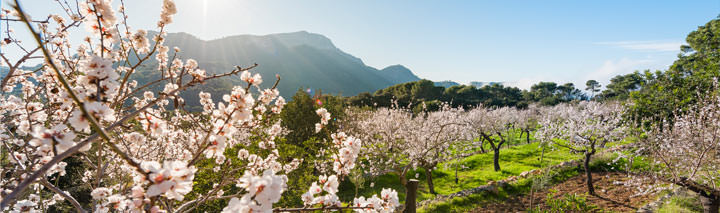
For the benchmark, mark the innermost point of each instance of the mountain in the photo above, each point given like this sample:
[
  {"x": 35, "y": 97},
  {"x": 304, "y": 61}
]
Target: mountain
[
  {"x": 302, "y": 59},
  {"x": 446, "y": 84},
  {"x": 398, "y": 74}
]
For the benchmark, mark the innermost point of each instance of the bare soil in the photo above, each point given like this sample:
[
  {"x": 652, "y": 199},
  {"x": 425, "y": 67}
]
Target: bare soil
[{"x": 609, "y": 197}]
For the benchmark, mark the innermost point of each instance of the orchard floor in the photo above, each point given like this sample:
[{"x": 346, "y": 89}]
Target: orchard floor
[{"x": 610, "y": 197}]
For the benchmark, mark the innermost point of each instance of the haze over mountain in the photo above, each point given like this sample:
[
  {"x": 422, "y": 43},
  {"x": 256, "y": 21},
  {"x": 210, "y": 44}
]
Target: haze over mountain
[
  {"x": 302, "y": 59},
  {"x": 446, "y": 83},
  {"x": 477, "y": 84}
]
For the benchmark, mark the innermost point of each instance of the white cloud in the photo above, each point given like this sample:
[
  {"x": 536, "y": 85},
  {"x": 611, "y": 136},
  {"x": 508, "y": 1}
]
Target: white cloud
[
  {"x": 654, "y": 46},
  {"x": 611, "y": 68},
  {"x": 526, "y": 83},
  {"x": 607, "y": 70},
  {"x": 603, "y": 74}
]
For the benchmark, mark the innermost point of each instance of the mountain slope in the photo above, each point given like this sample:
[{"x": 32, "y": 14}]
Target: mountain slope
[
  {"x": 302, "y": 59},
  {"x": 398, "y": 74}
]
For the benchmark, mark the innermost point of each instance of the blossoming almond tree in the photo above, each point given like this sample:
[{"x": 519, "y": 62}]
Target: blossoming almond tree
[
  {"x": 398, "y": 141},
  {"x": 432, "y": 139},
  {"x": 137, "y": 153},
  {"x": 688, "y": 151},
  {"x": 582, "y": 129},
  {"x": 383, "y": 132},
  {"x": 492, "y": 126},
  {"x": 527, "y": 120}
]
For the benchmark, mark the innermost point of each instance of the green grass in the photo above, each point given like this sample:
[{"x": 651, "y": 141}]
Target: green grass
[
  {"x": 479, "y": 171},
  {"x": 599, "y": 163},
  {"x": 464, "y": 204},
  {"x": 681, "y": 203}
]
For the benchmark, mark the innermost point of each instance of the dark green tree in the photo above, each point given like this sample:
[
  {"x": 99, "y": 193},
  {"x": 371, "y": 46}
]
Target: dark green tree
[
  {"x": 568, "y": 92},
  {"x": 497, "y": 95},
  {"x": 621, "y": 86},
  {"x": 299, "y": 117},
  {"x": 544, "y": 92},
  {"x": 691, "y": 76},
  {"x": 593, "y": 87},
  {"x": 410, "y": 93},
  {"x": 462, "y": 95}
]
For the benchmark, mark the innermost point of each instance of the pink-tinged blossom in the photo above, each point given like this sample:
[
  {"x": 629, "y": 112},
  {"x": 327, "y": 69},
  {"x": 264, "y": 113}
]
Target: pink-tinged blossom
[
  {"x": 265, "y": 189},
  {"x": 243, "y": 205},
  {"x": 387, "y": 202},
  {"x": 100, "y": 193},
  {"x": 59, "y": 137},
  {"x": 255, "y": 80},
  {"x": 324, "y": 118},
  {"x": 173, "y": 179}
]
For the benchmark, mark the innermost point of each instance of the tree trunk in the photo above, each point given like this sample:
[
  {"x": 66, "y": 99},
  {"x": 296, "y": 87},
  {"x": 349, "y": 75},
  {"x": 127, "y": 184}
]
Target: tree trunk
[
  {"x": 710, "y": 203},
  {"x": 411, "y": 196},
  {"x": 591, "y": 189},
  {"x": 527, "y": 136},
  {"x": 457, "y": 164},
  {"x": 496, "y": 159},
  {"x": 403, "y": 179},
  {"x": 431, "y": 186}
]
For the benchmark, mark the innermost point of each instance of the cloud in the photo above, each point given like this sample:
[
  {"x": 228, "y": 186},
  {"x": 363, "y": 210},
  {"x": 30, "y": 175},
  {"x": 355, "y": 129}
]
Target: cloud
[
  {"x": 603, "y": 74},
  {"x": 526, "y": 83},
  {"x": 611, "y": 68},
  {"x": 654, "y": 46},
  {"x": 607, "y": 70}
]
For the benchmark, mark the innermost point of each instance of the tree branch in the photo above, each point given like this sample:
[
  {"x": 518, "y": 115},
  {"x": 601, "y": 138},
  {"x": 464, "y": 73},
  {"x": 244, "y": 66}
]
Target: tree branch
[{"x": 71, "y": 199}]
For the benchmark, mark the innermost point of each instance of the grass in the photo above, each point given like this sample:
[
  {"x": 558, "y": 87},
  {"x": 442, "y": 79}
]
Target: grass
[
  {"x": 478, "y": 172},
  {"x": 463, "y": 204},
  {"x": 681, "y": 203},
  {"x": 523, "y": 186}
]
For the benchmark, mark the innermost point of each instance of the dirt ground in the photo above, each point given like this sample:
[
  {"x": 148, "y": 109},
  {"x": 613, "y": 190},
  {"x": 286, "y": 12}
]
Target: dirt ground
[{"x": 609, "y": 197}]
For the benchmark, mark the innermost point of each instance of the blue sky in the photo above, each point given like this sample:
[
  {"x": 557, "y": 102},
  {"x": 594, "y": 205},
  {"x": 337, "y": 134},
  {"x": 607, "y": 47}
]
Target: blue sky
[{"x": 512, "y": 41}]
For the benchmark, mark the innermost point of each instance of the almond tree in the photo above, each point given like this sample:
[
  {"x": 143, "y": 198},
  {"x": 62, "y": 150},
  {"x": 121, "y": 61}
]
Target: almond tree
[
  {"x": 492, "y": 126},
  {"x": 582, "y": 129},
  {"x": 688, "y": 150},
  {"x": 433, "y": 138},
  {"x": 383, "y": 131},
  {"x": 136, "y": 153},
  {"x": 527, "y": 120},
  {"x": 398, "y": 141}
]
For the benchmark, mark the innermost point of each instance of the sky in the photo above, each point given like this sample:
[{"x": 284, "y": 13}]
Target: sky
[{"x": 521, "y": 42}]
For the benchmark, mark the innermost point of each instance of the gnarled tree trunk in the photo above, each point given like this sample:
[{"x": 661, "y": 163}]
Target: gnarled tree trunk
[
  {"x": 431, "y": 186},
  {"x": 457, "y": 164},
  {"x": 403, "y": 179},
  {"x": 709, "y": 196},
  {"x": 496, "y": 150},
  {"x": 496, "y": 159},
  {"x": 588, "y": 174},
  {"x": 711, "y": 204},
  {"x": 527, "y": 136}
]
